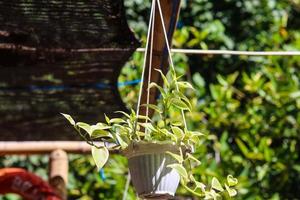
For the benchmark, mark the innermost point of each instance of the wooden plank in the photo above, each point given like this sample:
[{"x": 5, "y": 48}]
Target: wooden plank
[
  {"x": 170, "y": 9},
  {"x": 46, "y": 147},
  {"x": 58, "y": 173}
]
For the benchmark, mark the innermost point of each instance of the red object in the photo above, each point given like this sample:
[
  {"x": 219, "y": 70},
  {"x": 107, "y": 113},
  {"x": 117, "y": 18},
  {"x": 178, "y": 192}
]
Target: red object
[{"x": 26, "y": 184}]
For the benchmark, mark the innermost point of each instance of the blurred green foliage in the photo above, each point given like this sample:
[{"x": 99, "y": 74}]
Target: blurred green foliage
[{"x": 247, "y": 106}]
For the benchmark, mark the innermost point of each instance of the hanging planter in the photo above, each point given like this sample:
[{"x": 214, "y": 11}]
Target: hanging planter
[
  {"x": 158, "y": 147},
  {"x": 149, "y": 172}
]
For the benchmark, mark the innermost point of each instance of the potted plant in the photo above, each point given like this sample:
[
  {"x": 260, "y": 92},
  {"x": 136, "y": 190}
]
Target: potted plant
[{"x": 160, "y": 149}]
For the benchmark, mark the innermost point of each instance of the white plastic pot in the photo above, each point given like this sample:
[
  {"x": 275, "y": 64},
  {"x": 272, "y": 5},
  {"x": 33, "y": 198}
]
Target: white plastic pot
[{"x": 151, "y": 177}]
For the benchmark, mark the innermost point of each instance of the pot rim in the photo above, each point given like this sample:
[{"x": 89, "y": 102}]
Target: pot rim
[{"x": 145, "y": 148}]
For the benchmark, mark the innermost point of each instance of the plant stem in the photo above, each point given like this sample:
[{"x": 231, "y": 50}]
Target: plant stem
[
  {"x": 87, "y": 141},
  {"x": 192, "y": 191}
]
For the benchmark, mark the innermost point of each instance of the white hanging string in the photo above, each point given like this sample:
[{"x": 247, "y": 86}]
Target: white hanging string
[
  {"x": 126, "y": 187},
  {"x": 151, "y": 24},
  {"x": 231, "y": 52},
  {"x": 150, "y": 63},
  {"x": 169, "y": 53},
  {"x": 144, "y": 64}
]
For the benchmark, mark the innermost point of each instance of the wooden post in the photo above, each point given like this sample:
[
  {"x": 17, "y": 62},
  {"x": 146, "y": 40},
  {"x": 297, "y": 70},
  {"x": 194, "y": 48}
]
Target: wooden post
[
  {"x": 170, "y": 9},
  {"x": 58, "y": 176},
  {"x": 46, "y": 147}
]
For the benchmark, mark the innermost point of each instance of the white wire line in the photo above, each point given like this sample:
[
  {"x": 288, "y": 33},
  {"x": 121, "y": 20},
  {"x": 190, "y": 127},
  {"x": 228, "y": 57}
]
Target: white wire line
[
  {"x": 144, "y": 64},
  {"x": 231, "y": 52},
  {"x": 169, "y": 53},
  {"x": 126, "y": 186},
  {"x": 150, "y": 64}
]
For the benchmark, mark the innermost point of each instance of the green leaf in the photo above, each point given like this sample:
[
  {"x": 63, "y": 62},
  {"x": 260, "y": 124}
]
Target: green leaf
[
  {"x": 196, "y": 133},
  {"x": 178, "y": 132},
  {"x": 166, "y": 82},
  {"x": 198, "y": 80},
  {"x": 122, "y": 142},
  {"x": 177, "y": 157},
  {"x": 148, "y": 126},
  {"x": 212, "y": 195},
  {"x": 154, "y": 107},
  {"x": 123, "y": 113},
  {"x": 200, "y": 186},
  {"x": 176, "y": 123},
  {"x": 242, "y": 146},
  {"x": 169, "y": 134},
  {"x": 100, "y": 133},
  {"x": 295, "y": 95},
  {"x": 180, "y": 169},
  {"x": 101, "y": 126},
  {"x": 297, "y": 168},
  {"x": 144, "y": 117},
  {"x": 179, "y": 104},
  {"x": 194, "y": 139},
  {"x": 69, "y": 118},
  {"x": 185, "y": 85},
  {"x": 85, "y": 127},
  {"x": 106, "y": 119},
  {"x": 100, "y": 156},
  {"x": 184, "y": 99},
  {"x": 117, "y": 120},
  {"x": 232, "y": 77},
  {"x": 231, "y": 192},
  {"x": 231, "y": 181},
  {"x": 163, "y": 93},
  {"x": 215, "y": 184},
  {"x": 221, "y": 80},
  {"x": 191, "y": 157}
]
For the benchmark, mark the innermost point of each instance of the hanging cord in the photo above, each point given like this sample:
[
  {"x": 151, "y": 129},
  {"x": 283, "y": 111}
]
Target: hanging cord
[
  {"x": 150, "y": 64},
  {"x": 230, "y": 52},
  {"x": 126, "y": 186},
  {"x": 144, "y": 65},
  {"x": 169, "y": 53}
]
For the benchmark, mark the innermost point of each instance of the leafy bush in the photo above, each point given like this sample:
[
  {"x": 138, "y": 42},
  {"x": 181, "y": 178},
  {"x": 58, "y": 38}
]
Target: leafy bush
[{"x": 248, "y": 106}]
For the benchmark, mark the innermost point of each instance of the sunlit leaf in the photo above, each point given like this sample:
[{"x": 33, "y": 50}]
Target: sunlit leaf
[
  {"x": 215, "y": 184},
  {"x": 106, "y": 119},
  {"x": 124, "y": 113},
  {"x": 179, "y": 104},
  {"x": 100, "y": 156},
  {"x": 154, "y": 107},
  {"x": 69, "y": 118},
  {"x": 166, "y": 82},
  {"x": 191, "y": 157},
  {"x": 231, "y": 192},
  {"x": 178, "y": 132},
  {"x": 231, "y": 181},
  {"x": 185, "y": 85},
  {"x": 117, "y": 120},
  {"x": 122, "y": 142},
  {"x": 180, "y": 169},
  {"x": 85, "y": 127},
  {"x": 100, "y": 133},
  {"x": 178, "y": 157},
  {"x": 184, "y": 99},
  {"x": 163, "y": 93}
]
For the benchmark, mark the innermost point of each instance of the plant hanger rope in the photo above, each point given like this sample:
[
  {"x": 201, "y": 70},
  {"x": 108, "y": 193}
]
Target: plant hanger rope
[
  {"x": 151, "y": 32},
  {"x": 169, "y": 53},
  {"x": 145, "y": 60},
  {"x": 150, "y": 62},
  {"x": 231, "y": 52}
]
